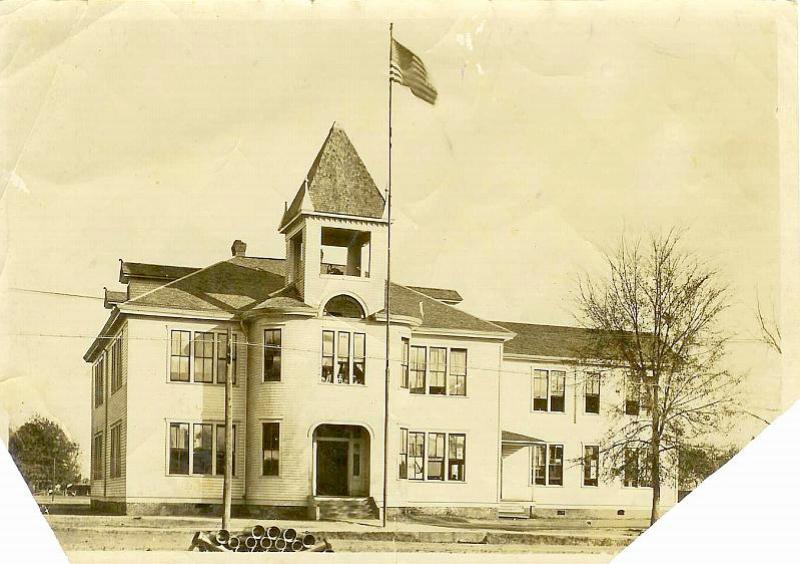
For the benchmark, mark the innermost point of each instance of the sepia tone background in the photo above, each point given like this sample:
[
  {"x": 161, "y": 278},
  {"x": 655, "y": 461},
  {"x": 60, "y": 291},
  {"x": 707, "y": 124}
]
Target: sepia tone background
[{"x": 160, "y": 132}]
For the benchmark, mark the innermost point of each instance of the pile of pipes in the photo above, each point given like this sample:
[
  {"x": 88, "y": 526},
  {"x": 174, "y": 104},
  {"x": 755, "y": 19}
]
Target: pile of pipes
[{"x": 258, "y": 539}]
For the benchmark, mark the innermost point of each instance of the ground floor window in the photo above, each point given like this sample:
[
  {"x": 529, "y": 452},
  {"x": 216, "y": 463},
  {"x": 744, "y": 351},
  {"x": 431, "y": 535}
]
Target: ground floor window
[
  {"x": 97, "y": 456},
  {"x": 270, "y": 448},
  {"x": 591, "y": 465},
  {"x": 634, "y": 472},
  {"x": 116, "y": 451},
  {"x": 547, "y": 465},
  {"x": 206, "y": 456},
  {"x": 432, "y": 456}
]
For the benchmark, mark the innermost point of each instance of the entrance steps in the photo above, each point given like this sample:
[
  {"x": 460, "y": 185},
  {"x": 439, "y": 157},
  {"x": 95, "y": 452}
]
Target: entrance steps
[
  {"x": 344, "y": 508},
  {"x": 514, "y": 511}
]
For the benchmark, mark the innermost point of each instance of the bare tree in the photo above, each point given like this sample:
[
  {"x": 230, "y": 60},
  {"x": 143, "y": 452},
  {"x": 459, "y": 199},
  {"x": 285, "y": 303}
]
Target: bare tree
[
  {"x": 655, "y": 320},
  {"x": 769, "y": 330}
]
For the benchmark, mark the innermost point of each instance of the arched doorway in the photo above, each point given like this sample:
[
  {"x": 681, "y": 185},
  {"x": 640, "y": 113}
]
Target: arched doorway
[{"x": 341, "y": 461}]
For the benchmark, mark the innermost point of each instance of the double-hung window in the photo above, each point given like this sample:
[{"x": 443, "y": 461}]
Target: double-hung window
[
  {"x": 403, "y": 455},
  {"x": 343, "y": 358},
  {"x": 116, "y": 451},
  {"x": 549, "y": 390},
  {"x": 98, "y": 456},
  {"x": 591, "y": 465},
  {"x": 437, "y": 371},
  {"x": 222, "y": 358},
  {"x": 416, "y": 456},
  {"x": 436, "y": 456},
  {"x": 220, "y": 451},
  {"x": 327, "y": 355},
  {"x": 272, "y": 355},
  {"x": 547, "y": 465},
  {"x": 204, "y": 357},
  {"x": 456, "y": 456},
  {"x": 116, "y": 364},
  {"x": 457, "y": 385},
  {"x": 635, "y": 467},
  {"x": 179, "y": 355},
  {"x": 203, "y": 434},
  {"x": 592, "y": 393},
  {"x": 99, "y": 377},
  {"x": 178, "y": 448},
  {"x": 405, "y": 343},
  {"x": 359, "y": 358},
  {"x": 634, "y": 392},
  {"x": 270, "y": 448},
  {"x": 417, "y": 370}
]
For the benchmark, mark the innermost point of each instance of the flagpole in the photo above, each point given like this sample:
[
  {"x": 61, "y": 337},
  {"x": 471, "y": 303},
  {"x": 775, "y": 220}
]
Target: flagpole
[{"x": 386, "y": 295}]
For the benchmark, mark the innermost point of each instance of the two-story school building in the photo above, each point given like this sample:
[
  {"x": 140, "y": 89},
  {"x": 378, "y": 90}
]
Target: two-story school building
[{"x": 484, "y": 416}]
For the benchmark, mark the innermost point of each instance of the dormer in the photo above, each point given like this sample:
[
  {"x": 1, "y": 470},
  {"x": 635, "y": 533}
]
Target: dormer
[{"x": 335, "y": 228}]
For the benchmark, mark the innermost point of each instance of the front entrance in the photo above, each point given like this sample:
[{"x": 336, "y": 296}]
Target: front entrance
[
  {"x": 341, "y": 461},
  {"x": 332, "y": 468}
]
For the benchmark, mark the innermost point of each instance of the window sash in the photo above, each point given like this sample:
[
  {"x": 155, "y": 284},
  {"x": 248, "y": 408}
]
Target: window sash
[
  {"x": 591, "y": 465},
  {"x": 272, "y": 355},
  {"x": 555, "y": 465},
  {"x": 179, "y": 448},
  {"x": 403, "y": 457},
  {"x": 456, "y": 457},
  {"x": 592, "y": 393},
  {"x": 359, "y": 358},
  {"x": 99, "y": 457},
  {"x": 222, "y": 357},
  {"x": 457, "y": 385},
  {"x": 115, "y": 470},
  {"x": 539, "y": 463},
  {"x": 540, "y": 386},
  {"x": 203, "y": 357},
  {"x": 343, "y": 358},
  {"x": 270, "y": 448},
  {"x": 416, "y": 455},
  {"x": 557, "y": 390},
  {"x": 179, "y": 355},
  {"x": 328, "y": 338},
  {"x": 202, "y": 434},
  {"x": 435, "y": 462},
  {"x": 220, "y": 451},
  {"x": 404, "y": 366},
  {"x": 417, "y": 369},
  {"x": 437, "y": 371}
]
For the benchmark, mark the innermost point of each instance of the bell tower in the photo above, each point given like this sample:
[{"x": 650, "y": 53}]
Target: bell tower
[{"x": 335, "y": 228}]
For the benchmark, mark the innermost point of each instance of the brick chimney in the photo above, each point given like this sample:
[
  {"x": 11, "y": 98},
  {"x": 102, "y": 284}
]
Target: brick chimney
[{"x": 238, "y": 248}]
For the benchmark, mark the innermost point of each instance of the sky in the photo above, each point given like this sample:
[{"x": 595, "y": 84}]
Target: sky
[{"x": 160, "y": 132}]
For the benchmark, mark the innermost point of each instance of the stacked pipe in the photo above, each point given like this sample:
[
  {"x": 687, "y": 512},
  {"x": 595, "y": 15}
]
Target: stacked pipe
[{"x": 259, "y": 539}]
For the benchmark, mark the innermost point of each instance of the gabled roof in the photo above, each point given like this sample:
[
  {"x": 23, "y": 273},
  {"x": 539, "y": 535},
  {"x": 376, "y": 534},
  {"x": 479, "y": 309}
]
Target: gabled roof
[
  {"x": 549, "y": 340},
  {"x": 338, "y": 182},
  {"x": 128, "y": 270},
  {"x": 433, "y": 313},
  {"x": 234, "y": 285},
  {"x": 442, "y": 294}
]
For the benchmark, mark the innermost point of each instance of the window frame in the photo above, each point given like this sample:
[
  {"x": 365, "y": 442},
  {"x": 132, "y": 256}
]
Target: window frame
[
  {"x": 407, "y": 458},
  {"x": 273, "y": 351},
  {"x": 99, "y": 381},
  {"x": 402, "y": 462},
  {"x": 179, "y": 425},
  {"x": 211, "y": 359},
  {"x": 216, "y": 463},
  {"x": 98, "y": 460},
  {"x": 432, "y": 455},
  {"x": 173, "y": 355},
  {"x": 589, "y": 377},
  {"x": 642, "y": 391},
  {"x": 451, "y": 375},
  {"x": 405, "y": 359},
  {"x": 596, "y": 461},
  {"x": 277, "y": 459},
  {"x": 335, "y": 359},
  {"x": 642, "y": 469},
  {"x": 115, "y": 450},
  {"x": 548, "y": 375},
  {"x": 215, "y": 425},
  {"x": 547, "y": 465},
  {"x": 116, "y": 363},
  {"x": 442, "y": 367}
]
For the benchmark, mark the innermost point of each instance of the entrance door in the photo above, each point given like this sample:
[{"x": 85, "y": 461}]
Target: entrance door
[{"x": 332, "y": 475}]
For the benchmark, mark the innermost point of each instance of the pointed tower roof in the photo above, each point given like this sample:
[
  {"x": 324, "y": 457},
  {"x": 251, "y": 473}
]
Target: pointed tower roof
[{"x": 337, "y": 183}]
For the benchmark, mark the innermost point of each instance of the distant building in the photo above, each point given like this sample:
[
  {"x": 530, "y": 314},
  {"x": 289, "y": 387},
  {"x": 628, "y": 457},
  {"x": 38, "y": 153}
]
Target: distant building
[{"x": 485, "y": 416}]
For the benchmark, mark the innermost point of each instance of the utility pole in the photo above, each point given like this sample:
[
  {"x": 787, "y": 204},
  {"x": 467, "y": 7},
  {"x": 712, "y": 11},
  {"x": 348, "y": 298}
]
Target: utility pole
[{"x": 228, "y": 476}]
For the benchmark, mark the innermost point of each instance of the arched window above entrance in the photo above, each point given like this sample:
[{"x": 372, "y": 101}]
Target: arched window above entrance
[{"x": 344, "y": 306}]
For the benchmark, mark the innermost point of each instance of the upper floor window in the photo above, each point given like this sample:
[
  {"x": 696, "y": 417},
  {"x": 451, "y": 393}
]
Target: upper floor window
[
  {"x": 272, "y": 355},
  {"x": 99, "y": 374},
  {"x": 344, "y": 357},
  {"x": 634, "y": 394},
  {"x": 405, "y": 343},
  {"x": 344, "y": 306},
  {"x": 592, "y": 393},
  {"x": 425, "y": 370},
  {"x": 116, "y": 364},
  {"x": 548, "y": 390},
  {"x": 205, "y": 355},
  {"x": 345, "y": 252}
]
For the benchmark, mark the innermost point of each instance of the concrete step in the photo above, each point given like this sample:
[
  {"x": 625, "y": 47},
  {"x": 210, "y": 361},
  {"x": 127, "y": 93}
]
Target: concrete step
[{"x": 344, "y": 508}]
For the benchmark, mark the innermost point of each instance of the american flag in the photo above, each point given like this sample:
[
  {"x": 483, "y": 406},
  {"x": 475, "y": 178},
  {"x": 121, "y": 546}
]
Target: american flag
[{"x": 409, "y": 70}]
